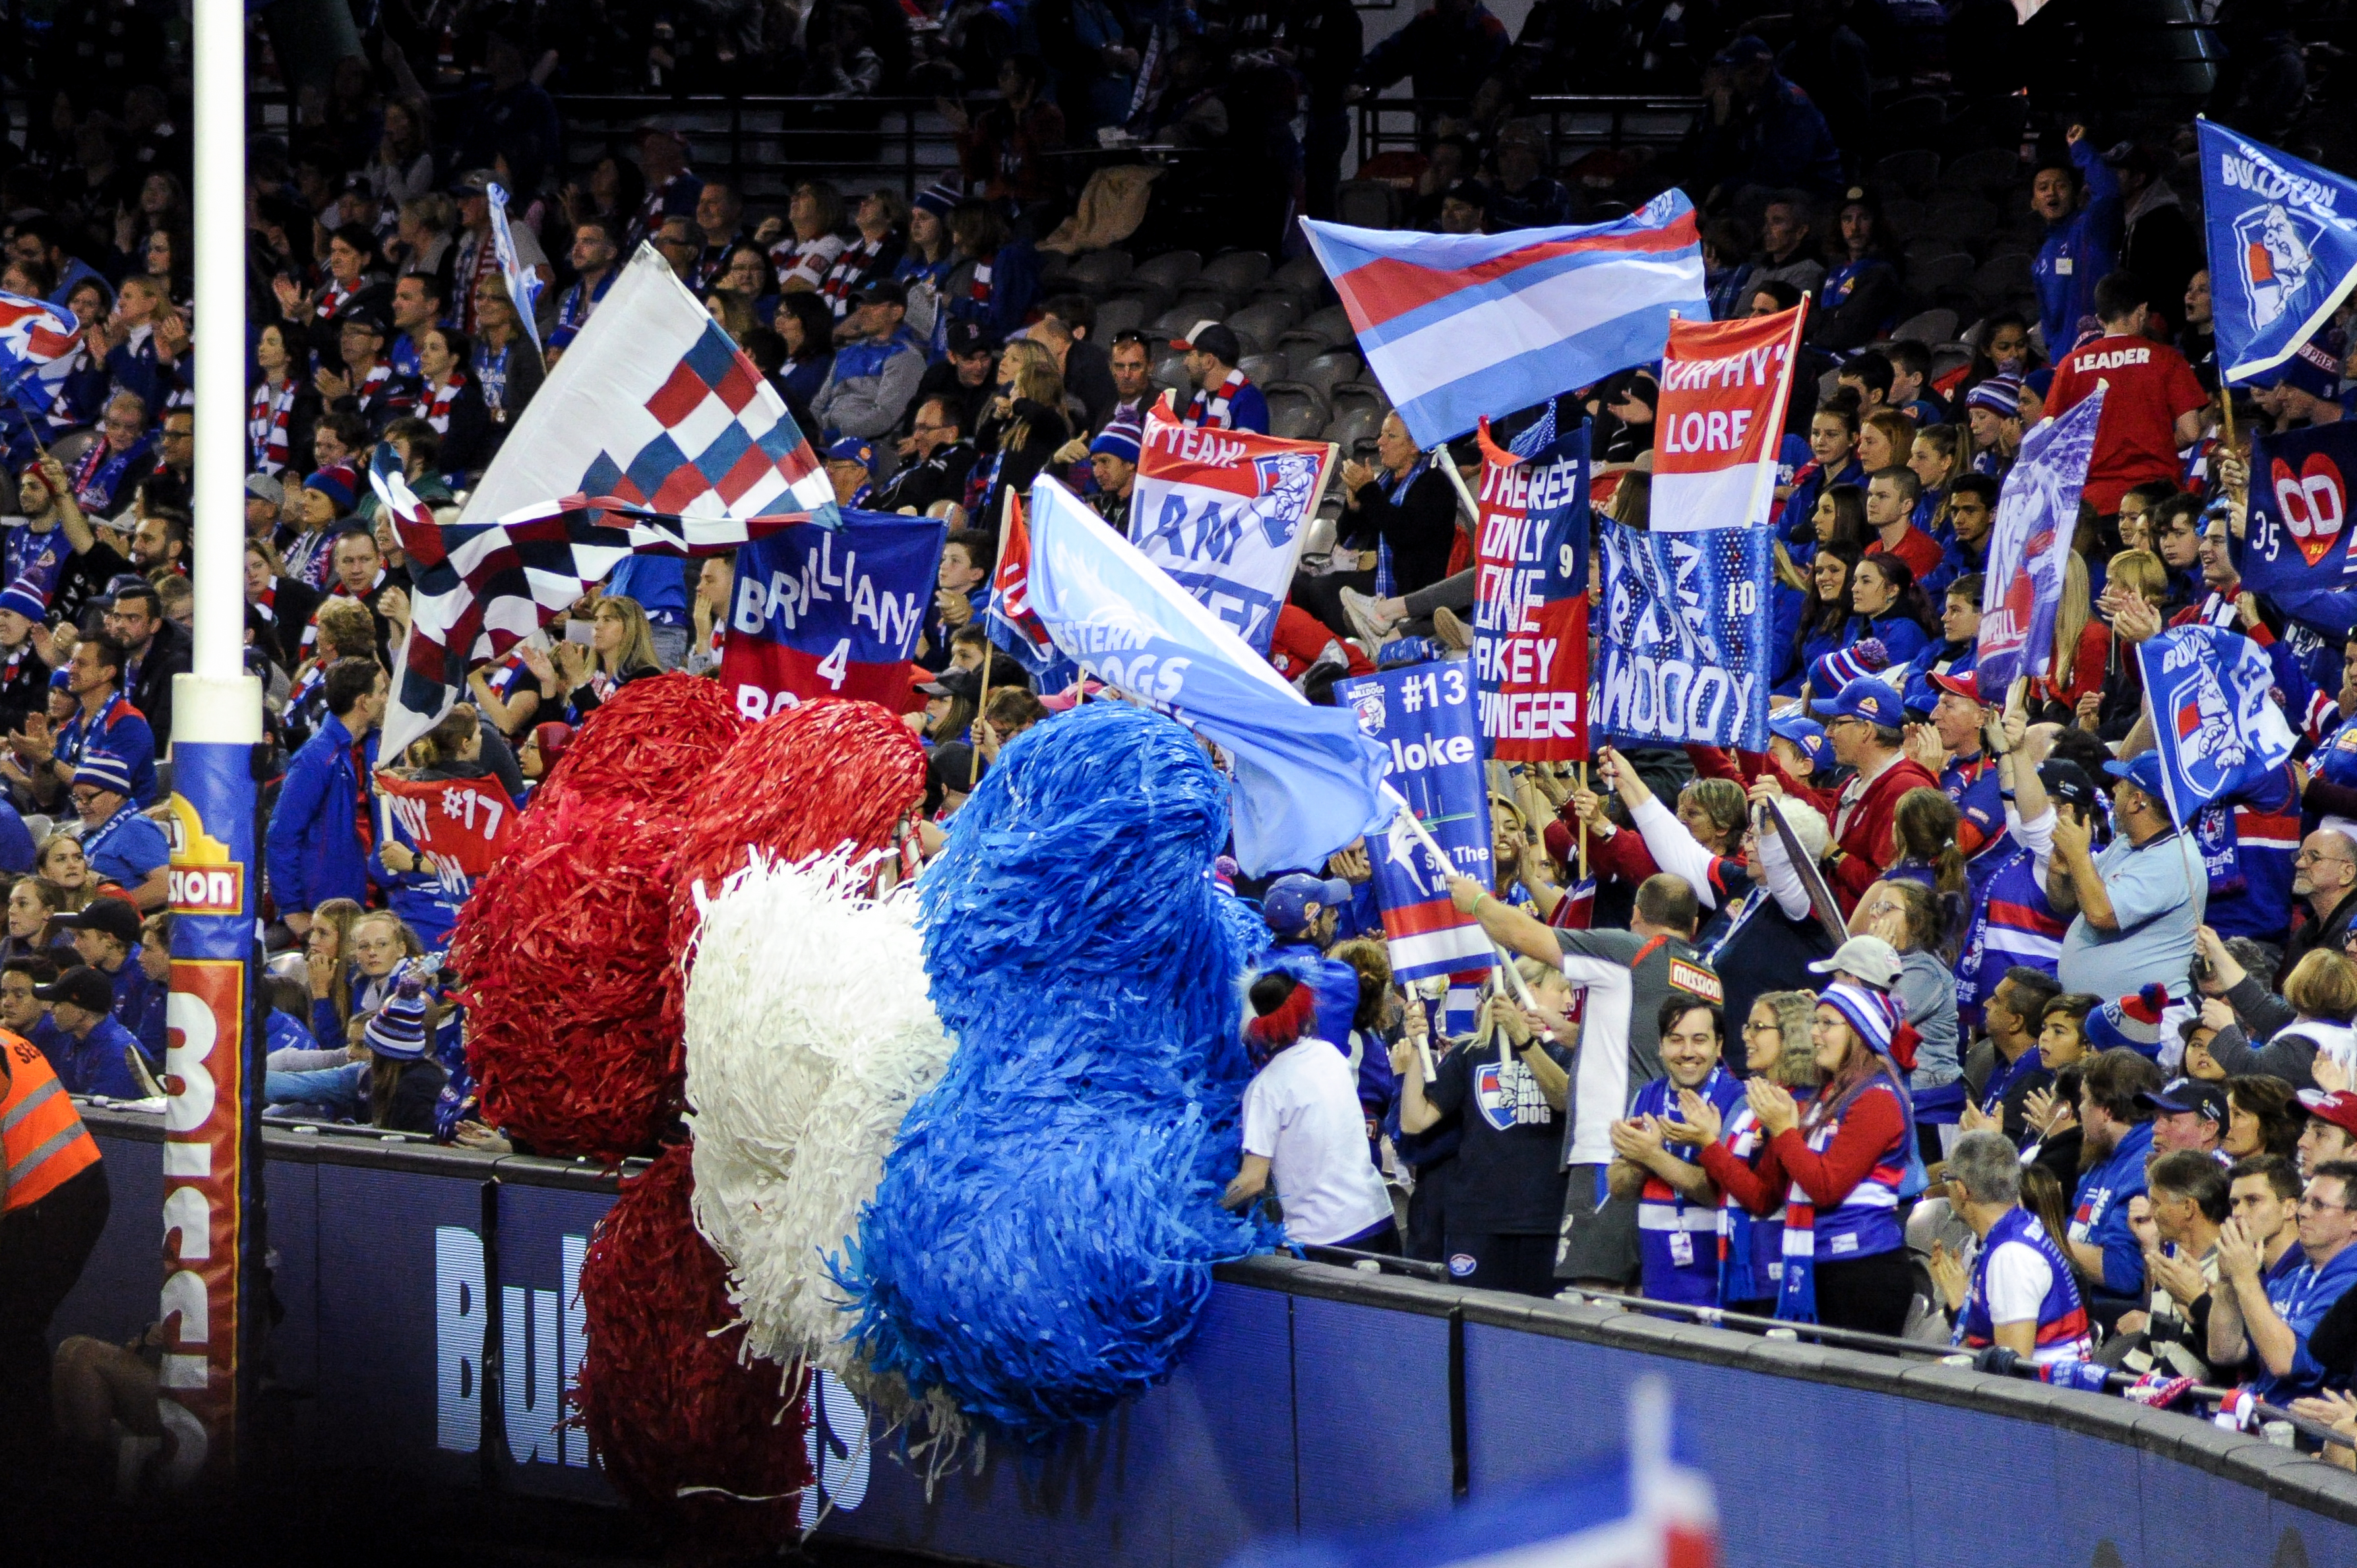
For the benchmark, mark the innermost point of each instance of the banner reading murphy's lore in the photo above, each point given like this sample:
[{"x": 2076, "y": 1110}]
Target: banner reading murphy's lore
[{"x": 1530, "y": 601}]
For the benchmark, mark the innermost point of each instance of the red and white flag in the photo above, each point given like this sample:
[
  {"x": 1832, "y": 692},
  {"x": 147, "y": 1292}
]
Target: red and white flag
[{"x": 1725, "y": 385}]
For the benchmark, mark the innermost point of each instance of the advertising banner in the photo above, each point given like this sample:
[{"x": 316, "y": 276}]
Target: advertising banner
[
  {"x": 212, "y": 1118},
  {"x": 822, "y": 612}
]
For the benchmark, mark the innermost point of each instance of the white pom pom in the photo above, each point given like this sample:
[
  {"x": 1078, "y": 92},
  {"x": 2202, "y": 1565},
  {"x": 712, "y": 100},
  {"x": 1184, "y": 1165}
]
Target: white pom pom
[{"x": 810, "y": 1032}]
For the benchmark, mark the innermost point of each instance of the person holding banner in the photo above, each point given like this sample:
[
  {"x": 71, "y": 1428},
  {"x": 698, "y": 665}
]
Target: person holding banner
[
  {"x": 2131, "y": 909},
  {"x": 1864, "y": 724}
]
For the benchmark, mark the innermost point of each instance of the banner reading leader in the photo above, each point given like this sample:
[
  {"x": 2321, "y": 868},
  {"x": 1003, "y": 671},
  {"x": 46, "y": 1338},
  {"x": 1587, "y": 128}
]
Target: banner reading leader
[
  {"x": 821, "y": 612},
  {"x": 1530, "y": 601}
]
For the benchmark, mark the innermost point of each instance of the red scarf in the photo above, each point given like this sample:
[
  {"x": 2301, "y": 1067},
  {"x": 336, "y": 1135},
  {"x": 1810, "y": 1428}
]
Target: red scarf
[
  {"x": 847, "y": 270},
  {"x": 265, "y": 426},
  {"x": 333, "y": 298},
  {"x": 978, "y": 290},
  {"x": 1210, "y": 406},
  {"x": 437, "y": 410}
]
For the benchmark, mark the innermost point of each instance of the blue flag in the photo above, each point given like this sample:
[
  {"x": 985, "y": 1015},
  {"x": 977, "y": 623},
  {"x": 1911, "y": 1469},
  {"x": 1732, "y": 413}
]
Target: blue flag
[
  {"x": 1307, "y": 780},
  {"x": 2030, "y": 544},
  {"x": 523, "y": 283},
  {"x": 2214, "y": 719},
  {"x": 2283, "y": 249},
  {"x": 2299, "y": 540},
  {"x": 1684, "y": 652},
  {"x": 1423, "y": 717}
]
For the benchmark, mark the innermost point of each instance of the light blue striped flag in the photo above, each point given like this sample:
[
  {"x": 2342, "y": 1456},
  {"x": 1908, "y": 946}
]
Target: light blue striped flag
[{"x": 1458, "y": 325}]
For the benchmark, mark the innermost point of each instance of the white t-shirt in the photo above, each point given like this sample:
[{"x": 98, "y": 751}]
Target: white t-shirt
[
  {"x": 2017, "y": 1279},
  {"x": 1301, "y": 1113}
]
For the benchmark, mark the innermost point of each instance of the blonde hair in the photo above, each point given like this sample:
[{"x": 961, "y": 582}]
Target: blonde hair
[
  {"x": 2069, "y": 620},
  {"x": 1037, "y": 379},
  {"x": 339, "y": 915},
  {"x": 2323, "y": 985},
  {"x": 442, "y": 743},
  {"x": 638, "y": 650},
  {"x": 2142, "y": 571}
]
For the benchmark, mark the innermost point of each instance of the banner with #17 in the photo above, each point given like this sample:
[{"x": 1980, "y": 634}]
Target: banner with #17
[{"x": 1530, "y": 601}]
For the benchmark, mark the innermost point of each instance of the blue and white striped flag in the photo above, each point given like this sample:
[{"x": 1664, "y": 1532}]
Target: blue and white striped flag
[
  {"x": 523, "y": 283},
  {"x": 1458, "y": 325}
]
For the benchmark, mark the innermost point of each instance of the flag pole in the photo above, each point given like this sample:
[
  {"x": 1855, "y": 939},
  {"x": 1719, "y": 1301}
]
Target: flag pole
[{"x": 973, "y": 747}]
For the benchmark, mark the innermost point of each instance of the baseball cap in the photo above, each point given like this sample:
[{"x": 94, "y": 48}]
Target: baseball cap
[
  {"x": 1801, "y": 731},
  {"x": 851, "y": 449},
  {"x": 952, "y": 764},
  {"x": 1471, "y": 192},
  {"x": 474, "y": 182},
  {"x": 952, "y": 683},
  {"x": 880, "y": 291},
  {"x": 366, "y": 316},
  {"x": 1285, "y": 904},
  {"x": 2067, "y": 783},
  {"x": 2338, "y": 1107},
  {"x": 1213, "y": 339},
  {"x": 1871, "y": 959},
  {"x": 1745, "y": 50},
  {"x": 2188, "y": 1094},
  {"x": 1875, "y": 701},
  {"x": 2144, "y": 772},
  {"x": 81, "y": 986},
  {"x": 265, "y": 488},
  {"x": 970, "y": 337},
  {"x": 1966, "y": 685},
  {"x": 113, "y": 915}
]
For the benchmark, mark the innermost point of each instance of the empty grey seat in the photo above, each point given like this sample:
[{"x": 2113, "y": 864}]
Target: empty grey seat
[
  {"x": 1170, "y": 371},
  {"x": 1353, "y": 426},
  {"x": 1175, "y": 322},
  {"x": 1911, "y": 172},
  {"x": 1982, "y": 172},
  {"x": 2002, "y": 277},
  {"x": 1171, "y": 268},
  {"x": 1265, "y": 321},
  {"x": 1931, "y": 275},
  {"x": 1328, "y": 371},
  {"x": 1263, "y": 371},
  {"x": 1293, "y": 412},
  {"x": 1240, "y": 271},
  {"x": 1118, "y": 315},
  {"x": 1331, "y": 325},
  {"x": 1361, "y": 394},
  {"x": 1099, "y": 269},
  {"x": 1302, "y": 275},
  {"x": 1930, "y": 328}
]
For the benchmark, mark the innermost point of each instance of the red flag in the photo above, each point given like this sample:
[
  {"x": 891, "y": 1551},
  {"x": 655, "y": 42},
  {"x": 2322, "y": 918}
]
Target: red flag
[
  {"x": 1010, "y": 597},
  {"x": 463, "y": 823}
]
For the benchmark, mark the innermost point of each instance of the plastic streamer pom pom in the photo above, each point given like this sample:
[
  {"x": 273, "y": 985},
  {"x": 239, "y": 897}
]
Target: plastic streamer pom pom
[
  {"x": 574, "y": 994},
  {"x": 809, "y": 781},
  {"x": 1042, "y": 1243},
  {"x": 652, "y": 744},
  {"x": 809, "y": 1036},
  {"x": 713, "y": 1448}
]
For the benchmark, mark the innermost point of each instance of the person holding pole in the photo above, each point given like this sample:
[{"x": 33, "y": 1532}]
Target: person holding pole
[
  {"x": 1626, "y": 974},
  {"x": 2132, "y": 907}
]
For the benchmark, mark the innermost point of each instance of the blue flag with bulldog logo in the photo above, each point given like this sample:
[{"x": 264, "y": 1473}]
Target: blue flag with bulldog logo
[
  {"x": 2214, "y": 719},
  {"x": 2283, "y": 249}
]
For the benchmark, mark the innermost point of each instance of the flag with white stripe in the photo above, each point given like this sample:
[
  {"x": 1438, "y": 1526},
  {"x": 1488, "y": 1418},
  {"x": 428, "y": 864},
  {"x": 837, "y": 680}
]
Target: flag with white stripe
[
  {"x": 37, "y": 348},
  {"x": 1458, "y": 325},
  {"x": 523, "y": 283}
]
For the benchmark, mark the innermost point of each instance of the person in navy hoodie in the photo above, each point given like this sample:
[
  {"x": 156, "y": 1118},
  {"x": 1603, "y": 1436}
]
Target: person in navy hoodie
[
  {"x": 315, "y": 847},
  {"x": 1657, "y": 1158},
  {"x": 1883, "y": 592},
  {"x": 2083, "y": 237}
]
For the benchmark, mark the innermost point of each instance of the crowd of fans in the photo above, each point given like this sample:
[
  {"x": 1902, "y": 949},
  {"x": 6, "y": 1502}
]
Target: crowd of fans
[{"x": 2056, "y": 1087}]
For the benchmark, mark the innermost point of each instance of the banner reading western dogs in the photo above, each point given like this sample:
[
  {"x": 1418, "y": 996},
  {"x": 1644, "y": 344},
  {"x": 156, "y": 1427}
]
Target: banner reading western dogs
[
  {"x": 821, "y": 612},
  {"x": 1530, "y": 601},
  {"x": 1423, "y": 717},
  {"x": 1222, "y": 511},
  {"x": 1685, "y": 649}
]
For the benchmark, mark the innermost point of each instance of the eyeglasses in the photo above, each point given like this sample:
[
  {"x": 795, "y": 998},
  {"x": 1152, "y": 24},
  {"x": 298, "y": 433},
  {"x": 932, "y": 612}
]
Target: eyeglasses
[
  {"x": 2310, "y": 857},
  {"x": 1750, "y": 1028},
  {"x": 2318, "y": 1206}
]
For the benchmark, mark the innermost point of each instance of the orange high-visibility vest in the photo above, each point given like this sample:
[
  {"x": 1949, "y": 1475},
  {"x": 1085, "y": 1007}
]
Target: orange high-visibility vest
[{"x": 42, "y": 1141}]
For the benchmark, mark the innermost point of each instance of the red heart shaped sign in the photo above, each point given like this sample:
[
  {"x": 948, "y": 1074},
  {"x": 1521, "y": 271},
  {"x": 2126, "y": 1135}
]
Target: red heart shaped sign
[{"x": 2313, "y": 504}]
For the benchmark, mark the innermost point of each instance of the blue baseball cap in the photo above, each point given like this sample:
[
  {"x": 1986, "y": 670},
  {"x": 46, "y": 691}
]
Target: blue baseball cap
[
  {"x": 1285, "y": 904},
  {"x": 1875, "y": 701},
  {"x": 851, "y": 449},
  {"x": 2144, "y": 772},
  {"x": 1801, "y": 731}
]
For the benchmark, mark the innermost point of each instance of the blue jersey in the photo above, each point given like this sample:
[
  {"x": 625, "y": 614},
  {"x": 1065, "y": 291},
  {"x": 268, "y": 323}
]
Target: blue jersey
[
  {"x": 1677, "y": 1239},
  {"x": 2077, "y": 251}
]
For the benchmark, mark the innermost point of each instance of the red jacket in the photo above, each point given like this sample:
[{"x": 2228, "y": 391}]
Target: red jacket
[{"x": 1864, "y": 832}]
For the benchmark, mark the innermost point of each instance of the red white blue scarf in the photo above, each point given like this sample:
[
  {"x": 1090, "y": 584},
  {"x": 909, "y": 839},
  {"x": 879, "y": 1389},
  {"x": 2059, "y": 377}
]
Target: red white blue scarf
[
  {"x": 848, "y": 269},
  {"x": 1210, "y": 405},
  {"x": 265, "y": 426}
]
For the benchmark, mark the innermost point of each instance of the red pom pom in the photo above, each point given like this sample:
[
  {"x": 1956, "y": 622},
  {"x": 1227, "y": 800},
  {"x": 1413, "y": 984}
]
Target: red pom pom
[
  {"x": 803, "y": 781},
  {"x": 665, "y": 1401},
  {"x": 575, "y": 1006},
  {"x": 651, "y": 744}
]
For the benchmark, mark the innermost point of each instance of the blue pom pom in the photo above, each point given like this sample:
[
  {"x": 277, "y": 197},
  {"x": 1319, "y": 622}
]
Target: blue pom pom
[{"x": 1042, "y": 1239}]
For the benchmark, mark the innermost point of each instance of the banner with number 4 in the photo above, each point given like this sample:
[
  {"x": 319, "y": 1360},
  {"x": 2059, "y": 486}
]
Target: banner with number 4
[{"x": 820, "y": 612}]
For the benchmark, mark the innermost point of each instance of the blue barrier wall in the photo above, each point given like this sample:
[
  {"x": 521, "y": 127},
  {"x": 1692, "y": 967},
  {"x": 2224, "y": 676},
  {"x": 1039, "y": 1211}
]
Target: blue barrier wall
[{"x": 426, "y": 1307}]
